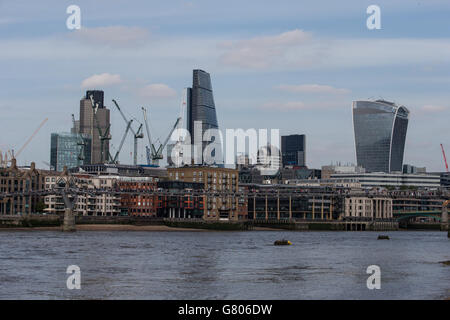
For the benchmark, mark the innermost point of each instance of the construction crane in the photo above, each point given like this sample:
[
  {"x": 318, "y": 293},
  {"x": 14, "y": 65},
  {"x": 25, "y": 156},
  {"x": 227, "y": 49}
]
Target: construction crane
[
  {"x": 445, "y": 158},
  {"x": 137, "y": 134},
  {"x": 80, "y": 141},
  {"x": 104, "y": 136},
  {"x": 13, "y": 156},
  {"x": 154, "y": 154},
  {"x": 116, "y": 157}
]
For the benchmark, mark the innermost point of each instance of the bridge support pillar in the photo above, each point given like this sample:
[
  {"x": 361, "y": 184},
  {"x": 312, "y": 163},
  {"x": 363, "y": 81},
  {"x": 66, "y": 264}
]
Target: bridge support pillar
[
  {"x": 69, "y": 221},
  {"x": 444, "y": 219}
]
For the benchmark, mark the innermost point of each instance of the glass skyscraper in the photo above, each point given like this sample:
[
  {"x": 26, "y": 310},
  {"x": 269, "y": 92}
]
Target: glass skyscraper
[
  {"x": 380, "y": 132},
  {"x": 66, "y": 149},
  {"x": 201, "y": 107},
  {"x": 293, "y": 150}
]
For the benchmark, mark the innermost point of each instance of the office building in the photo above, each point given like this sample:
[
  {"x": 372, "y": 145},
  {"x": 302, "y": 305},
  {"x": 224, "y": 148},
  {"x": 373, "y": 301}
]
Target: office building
[
  {"x": 293, "y": 150},
  {"x": 407, "y": 168},
  {"x": 70, "y": 150},
  {"x": 380, "y": 179},
  {"x": 94, "y": 128},
  {"x": 98, "y": 97},
  {"x": 328, "y": 170},
  {"x": 223, "y": 181},
  {"x": 201, "y": 108},
  {"x": 19, "y": 180},
  {"x": 380, "y": 133}
]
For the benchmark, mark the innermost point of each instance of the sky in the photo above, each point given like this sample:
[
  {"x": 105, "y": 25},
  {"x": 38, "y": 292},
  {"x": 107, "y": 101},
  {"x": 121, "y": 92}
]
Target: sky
[{"x": 289, "y": 65}]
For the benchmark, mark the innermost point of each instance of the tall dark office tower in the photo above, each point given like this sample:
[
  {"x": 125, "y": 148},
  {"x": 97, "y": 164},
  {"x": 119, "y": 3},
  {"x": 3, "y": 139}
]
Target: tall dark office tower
[
  {"x": 380, "y": 132},
  {"x": 98, "y": 97},
  {"x": 89, "y": 126},
  {"x": 293, "y": 150},
  {"x": 200, "y": 107}
]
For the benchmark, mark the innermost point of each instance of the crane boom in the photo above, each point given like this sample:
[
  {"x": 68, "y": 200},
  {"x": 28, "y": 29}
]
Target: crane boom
[
  {"x": 445, "y": 158},
  {"x": 137, "y": 135},
  {"x": 162, "y": 146},
  {"x": 122, "y": 141},
  {"x": 149, "y": 136},
  {"x": 123, "y": 115},
  {"x": 31, "y": 137}
]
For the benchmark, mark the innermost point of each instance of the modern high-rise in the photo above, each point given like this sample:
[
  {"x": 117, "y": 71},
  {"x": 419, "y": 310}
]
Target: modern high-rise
[
  {"x": 69, "y": 149},
  {"x": 380, "y": 132},
  {"x": 201, "y": 107},
  {"x": 98, "y": 96},
  {"x": 293, "y": 150},
  {"x": 89, "y": 126}
]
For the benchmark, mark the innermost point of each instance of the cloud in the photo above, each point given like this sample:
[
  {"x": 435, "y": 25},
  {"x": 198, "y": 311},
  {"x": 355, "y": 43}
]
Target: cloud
[
  {"x": 101, "y": 80},
  {"x": 300, "y": 105},
  {"x": 261, "y": 52},
  {"x": 157, "y": 90},
  {"x": 285, "y": 106},
  {"x": 312, "y": 88},
  {"x": 433, "y": 108},
  {"x": 113, "y": 36}
]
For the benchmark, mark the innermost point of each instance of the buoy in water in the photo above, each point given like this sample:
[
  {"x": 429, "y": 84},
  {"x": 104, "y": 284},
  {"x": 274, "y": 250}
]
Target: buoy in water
[
  {"x": 383, "y": 237},
  {"x": 282, "y": 243}
]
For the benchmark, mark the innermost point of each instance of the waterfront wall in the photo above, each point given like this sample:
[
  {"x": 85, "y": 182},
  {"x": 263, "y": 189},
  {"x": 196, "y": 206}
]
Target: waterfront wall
[{"x": 29, "y": 221}]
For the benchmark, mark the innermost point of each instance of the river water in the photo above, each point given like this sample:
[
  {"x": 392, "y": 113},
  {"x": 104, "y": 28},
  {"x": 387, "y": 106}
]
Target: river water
[{"x": 223, "y": 265}]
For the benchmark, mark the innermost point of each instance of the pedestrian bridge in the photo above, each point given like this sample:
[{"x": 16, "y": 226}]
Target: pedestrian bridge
[{"x": 406, "y": 215}]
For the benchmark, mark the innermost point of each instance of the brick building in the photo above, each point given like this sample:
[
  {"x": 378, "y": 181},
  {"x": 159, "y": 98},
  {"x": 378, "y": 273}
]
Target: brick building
[
  {"x": 223, "y": 181},
  {"x": 14, "y": 179}
]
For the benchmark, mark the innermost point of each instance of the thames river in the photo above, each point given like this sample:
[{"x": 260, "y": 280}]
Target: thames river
[{"x": 223, "y": 265}]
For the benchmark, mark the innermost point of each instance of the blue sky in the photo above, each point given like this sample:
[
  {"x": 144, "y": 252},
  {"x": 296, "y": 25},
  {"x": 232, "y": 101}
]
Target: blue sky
[{"x": 291, "y": 65}]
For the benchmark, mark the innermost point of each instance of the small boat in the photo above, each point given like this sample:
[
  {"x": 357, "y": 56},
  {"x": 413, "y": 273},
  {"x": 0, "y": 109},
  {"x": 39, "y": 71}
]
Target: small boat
[
  {"x": 383, "y": 237},
  {"x": 282, "y": 243}
]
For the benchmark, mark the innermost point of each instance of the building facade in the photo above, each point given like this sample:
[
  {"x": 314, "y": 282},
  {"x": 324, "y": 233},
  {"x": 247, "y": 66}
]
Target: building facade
[
  {"x": 328, "y": 170},
  {"x": 141, "y": 199},
  {"x": 201, "y": 114},
  {"x": 367, "y": 208},
  {"x": 293, "y": 150},
  {"x": 377, "y": 179},
  {"x": 70, "y": 150},
  {"x": 380, "y": 133},
  {"x": 89, "y": 126},
  {"x": 88, "y": 203},
  {"x": 18, "y": 180},
  {"x": 223, "y": 181}
]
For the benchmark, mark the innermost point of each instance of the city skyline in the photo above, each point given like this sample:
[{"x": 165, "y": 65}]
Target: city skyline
[{"x": 291, "y": 73}]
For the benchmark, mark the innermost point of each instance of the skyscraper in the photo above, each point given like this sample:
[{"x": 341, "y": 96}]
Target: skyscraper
[
  {"x": 380, "y": 132},
  {"x": 201, "y": 107},
  {"x": 88, "y": 125},
  {"x": 293, "y": 150},
  {"x": 69, "y": 149}
]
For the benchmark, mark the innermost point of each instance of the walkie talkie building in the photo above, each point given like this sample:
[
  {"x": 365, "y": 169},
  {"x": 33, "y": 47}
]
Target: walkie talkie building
[{"x": 380, "y": 132}]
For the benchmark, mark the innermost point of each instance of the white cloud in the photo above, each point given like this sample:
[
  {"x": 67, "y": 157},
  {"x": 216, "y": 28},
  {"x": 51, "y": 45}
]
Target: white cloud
[
  {"x": 301, "y": 105},
  {"x": 113, "y": 36},
  {"x": 434, "y": 108},
  {"x": 312, "y": 88},
  {"x": 285, "y": 106},
  {"x": 157, "y": 90},
  {"x": 101, "y": 80},
  {"x": 261, "y": 52}
]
